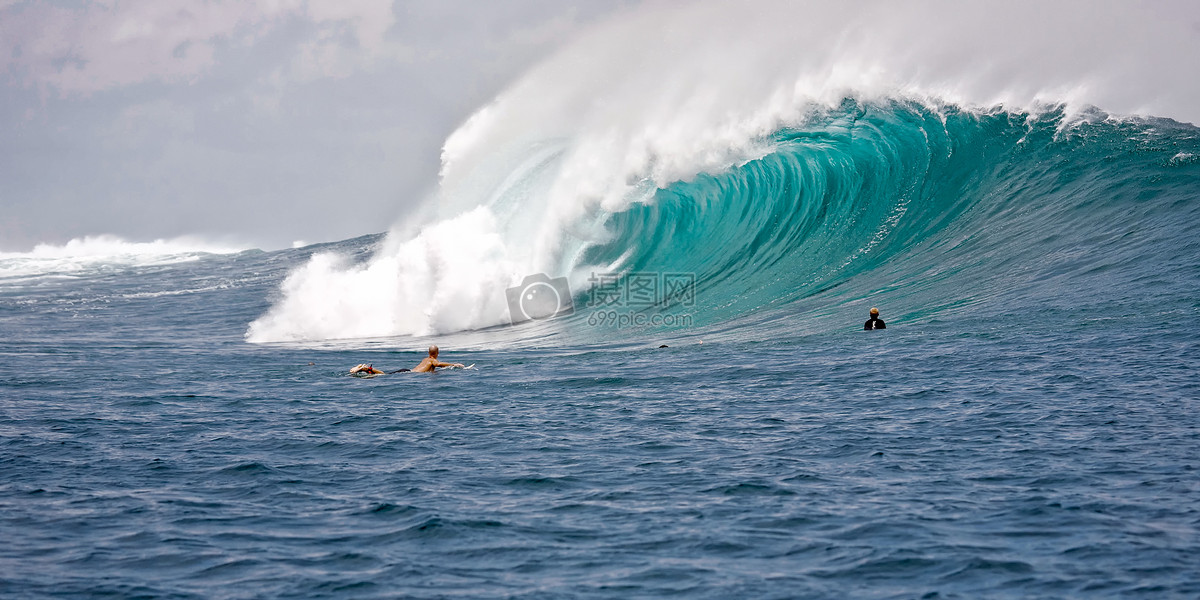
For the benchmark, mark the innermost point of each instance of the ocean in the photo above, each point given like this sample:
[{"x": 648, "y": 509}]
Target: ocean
[
  {"x": 655, "y": 251},
  {"x": 178, "y": 421}
]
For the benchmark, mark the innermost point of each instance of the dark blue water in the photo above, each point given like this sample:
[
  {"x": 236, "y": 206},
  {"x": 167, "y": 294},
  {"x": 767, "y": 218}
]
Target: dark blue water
[
  {"x": 145, "y": 455},
  {"x": 1026, "y": 427}
]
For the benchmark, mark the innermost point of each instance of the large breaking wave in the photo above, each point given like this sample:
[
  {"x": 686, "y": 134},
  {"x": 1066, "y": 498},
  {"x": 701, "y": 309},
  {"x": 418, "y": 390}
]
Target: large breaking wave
[{"x": 798, "y": 152}]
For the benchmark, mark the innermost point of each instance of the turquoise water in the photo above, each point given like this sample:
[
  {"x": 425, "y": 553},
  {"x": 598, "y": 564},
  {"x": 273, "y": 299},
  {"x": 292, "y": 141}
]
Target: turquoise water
[
  {"x": 940, "y": 214},
  {"x": 1026, "y": 426}
]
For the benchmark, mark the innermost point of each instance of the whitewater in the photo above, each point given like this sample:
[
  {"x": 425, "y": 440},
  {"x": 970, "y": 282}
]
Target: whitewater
[{"x": 719, "y": 193}]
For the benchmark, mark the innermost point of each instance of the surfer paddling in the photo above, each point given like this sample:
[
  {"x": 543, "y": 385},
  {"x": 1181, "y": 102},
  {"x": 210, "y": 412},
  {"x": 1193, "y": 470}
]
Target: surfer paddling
[
  {"x": 427, "y": 365},
  {"x": 431, "y": 362}
]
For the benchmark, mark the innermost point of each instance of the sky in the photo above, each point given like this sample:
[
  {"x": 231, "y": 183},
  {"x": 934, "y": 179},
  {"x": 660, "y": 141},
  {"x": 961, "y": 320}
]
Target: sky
[{"x": 258, "y": 123}]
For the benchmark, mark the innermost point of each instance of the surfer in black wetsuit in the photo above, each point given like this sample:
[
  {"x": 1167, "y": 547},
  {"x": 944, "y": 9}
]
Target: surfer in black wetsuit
[{"x": 874, "y": 322}]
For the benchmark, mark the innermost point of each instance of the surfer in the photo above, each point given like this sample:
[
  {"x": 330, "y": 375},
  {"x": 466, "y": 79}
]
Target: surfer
[
  {"x": 431, "y": 362},
  {"x": 874, "y": 322},
  {"x": 365, "y": 369},
  {"x": 427, "y": 365}
]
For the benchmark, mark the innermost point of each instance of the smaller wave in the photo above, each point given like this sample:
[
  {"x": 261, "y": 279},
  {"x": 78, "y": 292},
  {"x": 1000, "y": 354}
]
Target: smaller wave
[
  {"x": 100, "y": 253},
  {"x": 1183, "y": 158}
]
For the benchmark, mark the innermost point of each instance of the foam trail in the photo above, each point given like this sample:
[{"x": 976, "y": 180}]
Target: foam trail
[{"x": 661, "y": 95}]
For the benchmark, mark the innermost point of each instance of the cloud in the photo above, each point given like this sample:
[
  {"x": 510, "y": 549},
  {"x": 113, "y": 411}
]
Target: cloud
[
  {"x": 104, "y": 45},
  {"x": 351, "y": 35},
  {"x": 149, "y": 124}
]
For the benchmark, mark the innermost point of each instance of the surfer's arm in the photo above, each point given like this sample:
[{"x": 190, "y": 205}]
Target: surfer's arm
[{"x": 445, "y": 364}]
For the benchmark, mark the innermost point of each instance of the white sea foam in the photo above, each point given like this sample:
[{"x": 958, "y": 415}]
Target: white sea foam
[
  {"x": 661, "y": 94},
  {"x": 443, "y": 279},
  {"x": 84, "y": 255}
]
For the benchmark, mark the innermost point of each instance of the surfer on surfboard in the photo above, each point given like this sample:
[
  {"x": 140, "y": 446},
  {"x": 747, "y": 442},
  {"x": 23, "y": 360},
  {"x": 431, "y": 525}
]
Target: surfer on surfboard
[{"x": 427, "y": 365}]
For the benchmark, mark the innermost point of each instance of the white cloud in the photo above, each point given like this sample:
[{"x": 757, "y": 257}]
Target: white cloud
[
  {"x": 351, "y": 35},
  {"x": 142, "y": 125},
  {"x": 370, "y": 19},
  {"x": 101, "y": 46},
  {"x": 106, "y": 45}
]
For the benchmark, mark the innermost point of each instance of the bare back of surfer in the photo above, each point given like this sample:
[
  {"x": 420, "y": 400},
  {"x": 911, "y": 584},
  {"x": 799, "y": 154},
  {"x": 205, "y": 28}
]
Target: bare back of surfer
[
  {"x": 431, "y": 362},
  {"x": 428, "y": 365}
]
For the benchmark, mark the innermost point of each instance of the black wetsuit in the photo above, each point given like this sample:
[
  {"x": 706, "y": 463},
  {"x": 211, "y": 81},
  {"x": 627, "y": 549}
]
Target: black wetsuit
[{"x": 874, "y": 323}]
